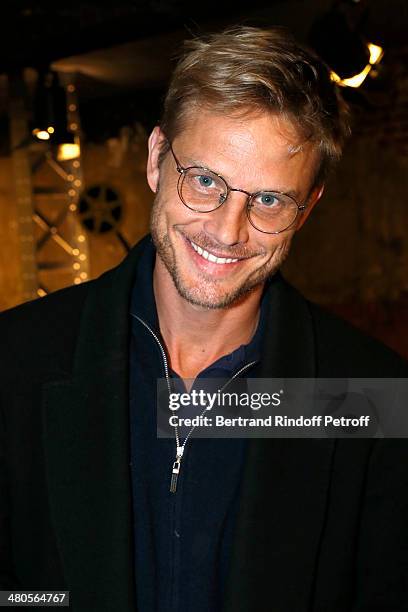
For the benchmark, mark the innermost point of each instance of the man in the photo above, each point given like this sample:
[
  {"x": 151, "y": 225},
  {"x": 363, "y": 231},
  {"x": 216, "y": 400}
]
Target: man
[{"x": 91, "y": 500}]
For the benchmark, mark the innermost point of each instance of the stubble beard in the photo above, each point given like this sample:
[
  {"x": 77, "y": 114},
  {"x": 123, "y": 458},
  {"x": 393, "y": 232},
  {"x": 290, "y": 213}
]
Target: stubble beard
[{"x": 206, "y": 292}]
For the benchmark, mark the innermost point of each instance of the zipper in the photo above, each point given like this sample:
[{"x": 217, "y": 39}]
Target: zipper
[
  {"x": 180, "y": 447},
  {"x": 163, "y": 352}
]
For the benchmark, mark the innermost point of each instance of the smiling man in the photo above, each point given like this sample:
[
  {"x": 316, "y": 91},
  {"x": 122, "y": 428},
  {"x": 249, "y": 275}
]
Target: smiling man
[
  {"x": 245, "y": 241},
  {"x": 217, "y": 251},
  {"x": 92, "y": 501}
]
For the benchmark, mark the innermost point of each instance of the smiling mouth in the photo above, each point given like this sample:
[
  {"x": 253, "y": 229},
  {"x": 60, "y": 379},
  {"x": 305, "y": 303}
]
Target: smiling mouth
[{"x": 210, "y": 257}]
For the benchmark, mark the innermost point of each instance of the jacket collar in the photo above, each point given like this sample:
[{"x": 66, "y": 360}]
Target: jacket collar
[
  {"x": 284, "y": 489},
  {"x": 86, "y": 435},
  {"x": 86, "y": 439}
]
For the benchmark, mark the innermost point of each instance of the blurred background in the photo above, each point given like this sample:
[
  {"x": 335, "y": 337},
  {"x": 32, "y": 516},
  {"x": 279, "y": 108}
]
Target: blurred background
[{"x": 81, "y": 86}]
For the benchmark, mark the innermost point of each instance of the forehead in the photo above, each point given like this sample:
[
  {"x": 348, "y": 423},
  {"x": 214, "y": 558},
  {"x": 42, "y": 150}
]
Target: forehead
[{"x": 248, "y": 149}]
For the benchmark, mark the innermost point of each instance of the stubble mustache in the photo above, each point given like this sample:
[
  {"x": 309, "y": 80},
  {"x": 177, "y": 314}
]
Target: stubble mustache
[{"x": 205, "y": 242}]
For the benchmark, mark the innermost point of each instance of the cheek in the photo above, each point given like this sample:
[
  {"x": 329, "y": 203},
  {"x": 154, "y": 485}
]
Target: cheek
[
  {"x": 277, "y": 244},
  {"x": 163, "y": 210}
]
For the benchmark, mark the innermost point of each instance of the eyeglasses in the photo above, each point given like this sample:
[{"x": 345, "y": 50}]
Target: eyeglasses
[{"x": 203, "y": 191}]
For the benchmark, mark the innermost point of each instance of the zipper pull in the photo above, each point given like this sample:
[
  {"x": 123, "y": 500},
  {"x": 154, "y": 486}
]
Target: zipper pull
[{"x": 176, "y": 469}]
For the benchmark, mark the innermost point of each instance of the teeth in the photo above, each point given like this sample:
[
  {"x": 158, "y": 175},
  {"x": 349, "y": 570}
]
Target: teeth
[{"x": 210, "y": 256}]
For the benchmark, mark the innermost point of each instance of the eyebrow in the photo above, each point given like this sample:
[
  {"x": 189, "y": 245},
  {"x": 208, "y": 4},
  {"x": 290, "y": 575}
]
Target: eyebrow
[{"x": 199, "y": 164}]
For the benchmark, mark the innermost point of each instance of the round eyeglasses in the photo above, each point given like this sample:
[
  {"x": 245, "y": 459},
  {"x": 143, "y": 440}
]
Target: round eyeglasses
[{"x": 203, "y": 191}]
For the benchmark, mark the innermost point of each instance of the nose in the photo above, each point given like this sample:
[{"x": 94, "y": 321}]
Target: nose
[{"x": 228, "y": 224}]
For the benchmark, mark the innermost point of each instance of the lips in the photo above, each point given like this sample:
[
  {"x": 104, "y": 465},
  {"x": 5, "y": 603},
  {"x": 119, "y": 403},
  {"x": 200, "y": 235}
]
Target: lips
[{"x": 210, "y": 257}]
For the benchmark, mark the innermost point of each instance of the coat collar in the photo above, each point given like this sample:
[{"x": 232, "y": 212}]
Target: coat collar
[
  {"x": 86, "y": 438},
  {"x": 284, "y": 489}
]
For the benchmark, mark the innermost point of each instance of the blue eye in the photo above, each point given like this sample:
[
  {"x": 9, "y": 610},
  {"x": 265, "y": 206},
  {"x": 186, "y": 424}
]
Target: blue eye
[
  {"x": 267, "y": 199},
  {"x": 205, "y": 181}
]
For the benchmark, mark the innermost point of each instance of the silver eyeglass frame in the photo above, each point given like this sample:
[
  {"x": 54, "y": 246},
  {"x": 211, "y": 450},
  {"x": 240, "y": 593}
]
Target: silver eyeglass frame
[{"x": 182, "y": 171}]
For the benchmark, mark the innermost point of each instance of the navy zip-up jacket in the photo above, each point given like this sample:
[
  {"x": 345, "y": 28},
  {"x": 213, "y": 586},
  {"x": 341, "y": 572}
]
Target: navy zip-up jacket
[{"x": 183, "y": 539}]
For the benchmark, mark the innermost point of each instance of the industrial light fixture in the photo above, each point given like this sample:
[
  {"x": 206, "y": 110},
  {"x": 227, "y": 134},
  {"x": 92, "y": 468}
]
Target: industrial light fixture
[
  {"x": 42, "y": 134},
  {"x": 67, "y": 143},
  {"x": 337, "y": 37},
  {"x": 68, "y": 151},
  {"x": 43, "y": 124},
  {"x": 50, "y": 117},
  {"x": 376, "y": 54}
]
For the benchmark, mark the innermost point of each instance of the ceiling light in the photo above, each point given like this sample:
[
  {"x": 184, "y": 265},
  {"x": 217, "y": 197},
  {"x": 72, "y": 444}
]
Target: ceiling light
[
  {"x": 41, "y": 134},
  {"x": 376, "y": 55}
]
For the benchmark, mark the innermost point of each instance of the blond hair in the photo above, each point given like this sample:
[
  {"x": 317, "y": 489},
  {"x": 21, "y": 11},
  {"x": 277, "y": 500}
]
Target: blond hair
[{"x": 246, "y": 69}]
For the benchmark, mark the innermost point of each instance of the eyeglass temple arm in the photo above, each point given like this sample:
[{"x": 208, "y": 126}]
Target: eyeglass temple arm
[{"x": 179, "y": 166}]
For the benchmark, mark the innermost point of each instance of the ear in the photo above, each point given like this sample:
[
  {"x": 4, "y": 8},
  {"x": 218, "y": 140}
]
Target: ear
[
  {"x": 312, "y": 200},
  {"x": 155, "y": 142}
]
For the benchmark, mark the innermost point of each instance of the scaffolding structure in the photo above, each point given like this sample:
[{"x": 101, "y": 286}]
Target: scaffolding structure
[{"x": 53, "y": 245}]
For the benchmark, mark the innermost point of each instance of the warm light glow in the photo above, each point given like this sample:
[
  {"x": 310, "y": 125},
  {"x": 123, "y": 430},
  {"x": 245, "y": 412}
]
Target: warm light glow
[
  {"x": 75, "y": 252},
  {"x": 357, "y": 79},
  {"x": 76, "y": 266},
  {"x": 81, "y": 238},
  {"x": 72, "y": 207},
  {"x": 50, "y": 129},
  {"x": 41, "y": 134},
  {"x": 77, "y": 281},
  {"x": 83, "y": 275},
  {"x": 82, "y": 257},
  {"x": 41, "y": 292},
  {"x": 67, "y": 151},
  {"x": 376, "y": 53}
]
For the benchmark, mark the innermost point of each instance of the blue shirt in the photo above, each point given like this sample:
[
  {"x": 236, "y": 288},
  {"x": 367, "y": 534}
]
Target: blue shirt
[{"x": 183, "y": 539}]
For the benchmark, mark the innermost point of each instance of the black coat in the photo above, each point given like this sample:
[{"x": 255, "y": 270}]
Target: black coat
[{"x": 322, "y": 523}]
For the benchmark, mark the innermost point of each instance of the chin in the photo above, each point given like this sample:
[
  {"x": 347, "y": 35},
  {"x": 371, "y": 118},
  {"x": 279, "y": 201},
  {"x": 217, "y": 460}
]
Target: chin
[
  {"x": 210, "y": 298},
  {"x": 212, "y": 295}
]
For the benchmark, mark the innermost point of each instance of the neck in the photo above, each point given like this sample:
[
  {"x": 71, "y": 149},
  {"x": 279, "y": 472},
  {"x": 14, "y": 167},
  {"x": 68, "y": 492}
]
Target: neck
[{"x": 196, "y": 336}]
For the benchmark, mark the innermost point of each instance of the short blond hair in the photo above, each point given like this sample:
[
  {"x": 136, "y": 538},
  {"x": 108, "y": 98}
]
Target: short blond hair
[{"x": 252, "y": 69}]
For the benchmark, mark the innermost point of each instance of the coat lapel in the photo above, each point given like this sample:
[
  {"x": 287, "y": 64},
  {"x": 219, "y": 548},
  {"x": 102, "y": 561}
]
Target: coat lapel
[
  {"x": 285, "y": 483},
  {"x": 86, "y": 440}
]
